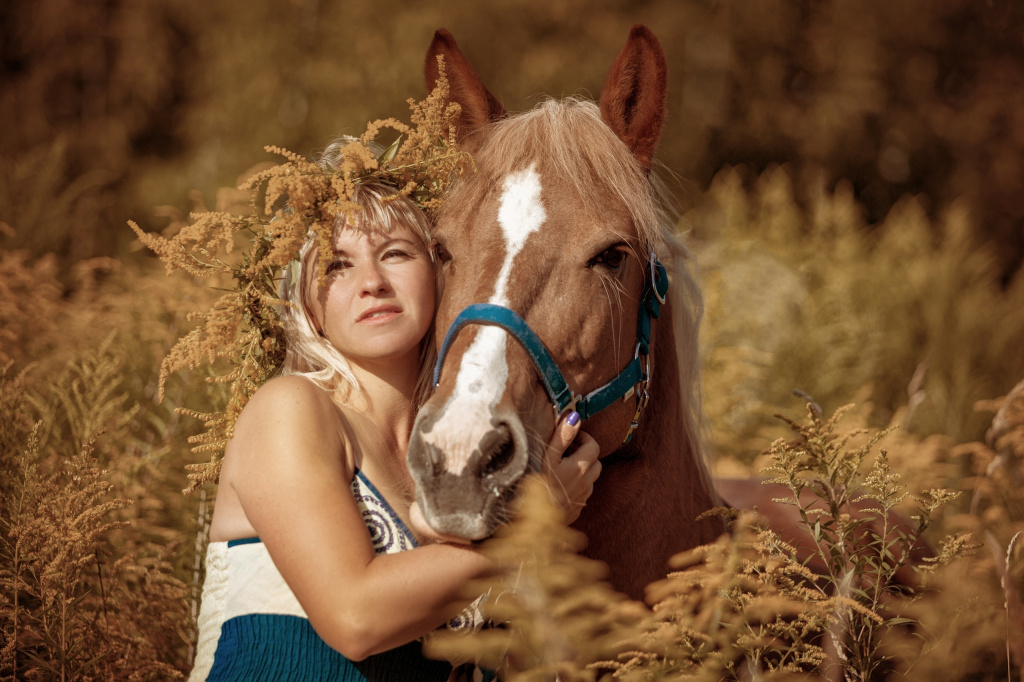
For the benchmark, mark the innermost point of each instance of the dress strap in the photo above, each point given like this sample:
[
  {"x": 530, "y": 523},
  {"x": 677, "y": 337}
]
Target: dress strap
[{"x": 388, "y": 532}]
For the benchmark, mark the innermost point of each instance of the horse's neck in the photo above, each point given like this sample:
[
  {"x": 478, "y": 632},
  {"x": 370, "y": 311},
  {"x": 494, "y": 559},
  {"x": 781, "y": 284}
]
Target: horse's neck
[{"x": 646, "y": 502}]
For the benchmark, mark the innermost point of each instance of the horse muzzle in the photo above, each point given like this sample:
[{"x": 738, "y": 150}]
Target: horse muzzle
[{"x": 466, "y": 464}]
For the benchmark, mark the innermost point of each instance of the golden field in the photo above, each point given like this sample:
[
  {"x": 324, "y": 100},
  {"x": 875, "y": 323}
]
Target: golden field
[{"x": 848, "y": 179}]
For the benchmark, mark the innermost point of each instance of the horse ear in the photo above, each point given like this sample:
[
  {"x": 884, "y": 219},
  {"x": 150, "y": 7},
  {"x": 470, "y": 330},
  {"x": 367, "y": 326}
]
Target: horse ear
[
  {"x": 479, "y": 106},
  {"x": 634, "y": 93}
]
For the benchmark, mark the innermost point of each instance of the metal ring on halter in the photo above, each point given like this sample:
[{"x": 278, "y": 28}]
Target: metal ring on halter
[
  {"x": 654, "y": 283},
  {"x": 642, "y": 395},
  {"x": 646, "y": 358},
  {"x": 576, "y": 397}
]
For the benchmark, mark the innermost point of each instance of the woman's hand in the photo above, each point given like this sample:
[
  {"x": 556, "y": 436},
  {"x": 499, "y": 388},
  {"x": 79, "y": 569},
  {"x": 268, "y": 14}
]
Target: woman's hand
[{"x": 571, "y": 479}]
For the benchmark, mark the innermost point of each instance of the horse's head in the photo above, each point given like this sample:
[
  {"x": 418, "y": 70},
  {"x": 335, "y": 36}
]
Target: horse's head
[{"x": 557, "y": 224}]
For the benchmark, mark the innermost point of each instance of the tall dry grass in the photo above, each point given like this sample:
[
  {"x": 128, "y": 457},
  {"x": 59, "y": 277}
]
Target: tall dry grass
[
  {"x": 908, "y": 313},
  {"x": 96, "y": 551},
  {"x": 744, "y": 608}
]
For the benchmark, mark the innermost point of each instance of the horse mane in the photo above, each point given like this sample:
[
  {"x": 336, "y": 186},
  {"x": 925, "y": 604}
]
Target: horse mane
[
  {"x": 687, "y": 305},
  {"x": 587, "y": 154}
]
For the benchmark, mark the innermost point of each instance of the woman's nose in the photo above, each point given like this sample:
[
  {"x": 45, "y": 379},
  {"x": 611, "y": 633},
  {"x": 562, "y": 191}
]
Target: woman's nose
[{"x": 373, "y": 280}]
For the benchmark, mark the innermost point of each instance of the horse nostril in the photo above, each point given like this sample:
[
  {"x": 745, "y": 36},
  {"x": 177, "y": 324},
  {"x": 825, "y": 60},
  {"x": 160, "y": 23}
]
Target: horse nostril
[
  {"x": 498, "y": 451},
  {"x": 425, "y": 457},
  {"x": 436, "y": 458}
]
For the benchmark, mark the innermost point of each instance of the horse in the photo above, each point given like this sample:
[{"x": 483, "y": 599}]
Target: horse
[{"x": 566, "y": 287}]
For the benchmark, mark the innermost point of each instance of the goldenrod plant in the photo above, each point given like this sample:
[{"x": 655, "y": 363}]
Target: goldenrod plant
[
  {"x": 92, "y": 586},
  {"x": 80, "y": 596},
  {"x": 742, "y": 608},
  {"x": 555, "y": 616},
  {"x": 848, "y": 502}
]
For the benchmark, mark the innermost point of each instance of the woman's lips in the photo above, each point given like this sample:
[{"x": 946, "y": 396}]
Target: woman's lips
[{"x": 379, "y": 315}]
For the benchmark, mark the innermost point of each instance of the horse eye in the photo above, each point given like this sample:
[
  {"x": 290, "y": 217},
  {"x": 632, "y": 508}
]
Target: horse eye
[
  {"x": 611, "y": 258},
  {"x": 439, "y": 252}
]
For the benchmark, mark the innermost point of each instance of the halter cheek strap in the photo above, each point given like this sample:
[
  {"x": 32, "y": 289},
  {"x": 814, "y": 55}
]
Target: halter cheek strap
[{"x": 634, "y": 378}]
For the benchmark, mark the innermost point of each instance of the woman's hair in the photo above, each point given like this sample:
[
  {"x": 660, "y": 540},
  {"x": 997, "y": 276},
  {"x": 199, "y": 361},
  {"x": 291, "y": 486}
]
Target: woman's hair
[{"x": 308, "y": 353}]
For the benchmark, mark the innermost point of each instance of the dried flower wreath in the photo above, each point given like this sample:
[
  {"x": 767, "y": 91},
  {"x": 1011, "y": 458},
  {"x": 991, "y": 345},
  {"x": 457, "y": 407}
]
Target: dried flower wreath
[{"x": 289, "y": 201}]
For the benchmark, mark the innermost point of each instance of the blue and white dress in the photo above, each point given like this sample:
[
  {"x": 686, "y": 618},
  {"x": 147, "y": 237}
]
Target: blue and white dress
[{"x": 251, "y": 626}]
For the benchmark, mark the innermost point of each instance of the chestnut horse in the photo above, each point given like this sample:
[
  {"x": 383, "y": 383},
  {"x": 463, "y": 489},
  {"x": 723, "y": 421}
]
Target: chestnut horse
[{"x": 557, "y": 241}]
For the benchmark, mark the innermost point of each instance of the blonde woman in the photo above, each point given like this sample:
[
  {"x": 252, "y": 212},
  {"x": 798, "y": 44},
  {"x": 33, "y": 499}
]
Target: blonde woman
[{"x": 315, "y": 569}]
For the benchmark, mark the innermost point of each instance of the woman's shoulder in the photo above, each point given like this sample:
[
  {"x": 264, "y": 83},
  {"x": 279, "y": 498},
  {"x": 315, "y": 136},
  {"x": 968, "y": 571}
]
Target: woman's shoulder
[
  {"x": 290, "y": 389},
  {"x": 289, "y": 439},
  {"x": 290, "y": 405}
]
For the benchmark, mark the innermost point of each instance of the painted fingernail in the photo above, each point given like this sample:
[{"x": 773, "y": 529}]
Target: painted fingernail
[{"x": 573, "y": 419}]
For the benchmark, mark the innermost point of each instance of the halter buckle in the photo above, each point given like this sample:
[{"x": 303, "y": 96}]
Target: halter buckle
[
  {"x": 573, "y": 400},
  {"x": 642, "y": 395}
]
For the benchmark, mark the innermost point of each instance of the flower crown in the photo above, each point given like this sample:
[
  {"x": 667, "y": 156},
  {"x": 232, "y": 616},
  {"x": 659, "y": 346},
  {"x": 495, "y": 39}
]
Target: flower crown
[{"x": 289, "y": 202}]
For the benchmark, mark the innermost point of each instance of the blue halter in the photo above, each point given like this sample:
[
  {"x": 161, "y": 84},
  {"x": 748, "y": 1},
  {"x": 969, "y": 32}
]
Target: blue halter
[{"x": 633, "y": 378}]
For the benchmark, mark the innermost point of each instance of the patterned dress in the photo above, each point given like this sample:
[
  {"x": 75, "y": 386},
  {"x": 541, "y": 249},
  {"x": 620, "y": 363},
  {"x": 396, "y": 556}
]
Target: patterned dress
[{"x": 251, "y": 626}]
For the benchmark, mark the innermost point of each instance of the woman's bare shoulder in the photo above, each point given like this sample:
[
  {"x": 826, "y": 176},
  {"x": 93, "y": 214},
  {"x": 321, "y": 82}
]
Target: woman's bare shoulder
[
  {"x": 292, "y": 409},
  {"x": 288, "y": 391},
  {"x": 289, "y": 435}
]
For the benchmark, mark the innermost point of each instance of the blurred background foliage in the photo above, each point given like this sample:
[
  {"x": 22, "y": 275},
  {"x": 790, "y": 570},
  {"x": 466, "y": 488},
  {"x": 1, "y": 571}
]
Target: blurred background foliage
[
  {"x": 112, "y": 107},
  {"x": 848, "y": 172}
]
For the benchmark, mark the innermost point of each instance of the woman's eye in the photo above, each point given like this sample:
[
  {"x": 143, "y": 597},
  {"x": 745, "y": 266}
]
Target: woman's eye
[
  {"x": 395, "y": 253},
  {"x": 440, "y": 253},
  {"x": 337, "y": 265},
  {"x": 611, "y": 258}
]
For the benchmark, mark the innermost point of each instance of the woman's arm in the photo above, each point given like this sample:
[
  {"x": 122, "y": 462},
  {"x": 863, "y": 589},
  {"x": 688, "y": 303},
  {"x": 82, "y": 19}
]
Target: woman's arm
[{"x": 292, "y": 476}]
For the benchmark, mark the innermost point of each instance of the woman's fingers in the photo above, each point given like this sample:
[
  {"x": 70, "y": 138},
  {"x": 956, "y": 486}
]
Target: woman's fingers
[
  {"x": 588, "y": 454},
  {"x": 587, "y": 450},
  {"x": 561, "y": 439},
  {"x": 572, "y": 478}
]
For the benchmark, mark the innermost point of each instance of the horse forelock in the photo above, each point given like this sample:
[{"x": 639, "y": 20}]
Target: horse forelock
[{"x": 579, "y": 152}]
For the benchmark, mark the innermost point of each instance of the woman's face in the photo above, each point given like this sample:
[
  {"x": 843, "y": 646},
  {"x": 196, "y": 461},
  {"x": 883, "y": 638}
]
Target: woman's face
[{"x": 378, "y": 302}]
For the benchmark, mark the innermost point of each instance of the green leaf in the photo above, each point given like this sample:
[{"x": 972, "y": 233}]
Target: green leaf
[{"x": 388, "y": 154}]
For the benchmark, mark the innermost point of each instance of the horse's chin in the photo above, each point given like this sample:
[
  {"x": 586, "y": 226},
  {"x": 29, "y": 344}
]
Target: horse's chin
[
  {"x": 471, "y": 511},
  {"x": 470, "y": 526}
]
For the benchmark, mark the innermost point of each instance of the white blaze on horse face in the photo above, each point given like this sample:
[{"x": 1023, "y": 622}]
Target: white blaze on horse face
[
  {"x": 483, "y": 372},
  {"x": 520, "y": 214}
]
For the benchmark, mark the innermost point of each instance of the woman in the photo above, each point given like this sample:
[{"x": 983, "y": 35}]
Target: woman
[{"x": 306, "y": 573}]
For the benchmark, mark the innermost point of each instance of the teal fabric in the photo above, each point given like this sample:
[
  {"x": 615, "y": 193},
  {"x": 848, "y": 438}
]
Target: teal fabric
[
  {"x": 276, "y": 648},
  {"x": 242, "y": 541}
]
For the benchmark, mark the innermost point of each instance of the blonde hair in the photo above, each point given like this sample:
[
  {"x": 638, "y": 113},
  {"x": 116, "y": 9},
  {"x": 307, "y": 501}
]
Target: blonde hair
[{"x": 307, "y": 352}]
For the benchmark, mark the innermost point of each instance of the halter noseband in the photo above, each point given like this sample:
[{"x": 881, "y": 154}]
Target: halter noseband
[{"x": 634, "y": 378}]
